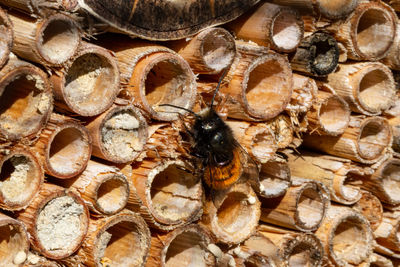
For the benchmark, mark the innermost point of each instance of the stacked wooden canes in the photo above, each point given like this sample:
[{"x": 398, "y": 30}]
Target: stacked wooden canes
[{"x": 96, "y": 171}]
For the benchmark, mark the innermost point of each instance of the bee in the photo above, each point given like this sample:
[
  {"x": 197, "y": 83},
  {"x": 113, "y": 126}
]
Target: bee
[{"x": 223, "y": 160}]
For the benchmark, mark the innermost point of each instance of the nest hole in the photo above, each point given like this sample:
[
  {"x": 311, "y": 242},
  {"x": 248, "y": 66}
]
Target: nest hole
[
  {"x": 374, "y": 33},
  {"x": 391, "y": 180},
  {"x": 122, "y": 245},
  {"x": 275, "y": 178},
  {"x": 12, "y": 241},
  {"x": 23, "y": 105},
  {"x": 69, "y": 151},
  {"x": 311, "y": 208},
  {"x": 175, "y": 194},
  {"x": 374, "y": 137},
  {"x": 334, "y": 115},
  {"x": 325, "y": 54},
  {"x": 123, "y": 135},
  {"x": 91, "y": 84},
  {"x": 304, "y": 254},
  {"x": 18, "y": 176},
  {"x": 235, "y": 213},
  {"x": 59, "y": 39},
  {"x": 286, "y": 31},
  {"x": 350, "y": 241},
  {"x": 165, "y": 84},
  {"x": 263, "y": 146},
  {"x": 268, "y": 87},
  {"x": 376, "y": 90},
  {"x": 185, "y": 250},
  {"x": 218, "y": 49},
  {"x": 112, "y": 194}
]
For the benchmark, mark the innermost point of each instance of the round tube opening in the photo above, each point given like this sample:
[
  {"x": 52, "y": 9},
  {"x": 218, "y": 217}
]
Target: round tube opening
[
  {"x": 310, "y": 209},
  {"x": 112, "y": 194},
  {"x": 334, "y": 115},
  {"x": 373, "y": 139},
  {"x": 286, "y": 31},
  {"x": 218, "y": 49}
]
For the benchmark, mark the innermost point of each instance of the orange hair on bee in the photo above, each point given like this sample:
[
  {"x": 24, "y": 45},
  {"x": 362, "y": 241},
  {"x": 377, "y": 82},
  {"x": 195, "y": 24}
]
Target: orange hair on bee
[{"x": 224, "y": 176}]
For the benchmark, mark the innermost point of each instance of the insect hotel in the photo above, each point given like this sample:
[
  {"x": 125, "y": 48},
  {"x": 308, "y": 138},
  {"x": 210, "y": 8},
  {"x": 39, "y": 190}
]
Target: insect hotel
[{"x": 199, "y": 133}]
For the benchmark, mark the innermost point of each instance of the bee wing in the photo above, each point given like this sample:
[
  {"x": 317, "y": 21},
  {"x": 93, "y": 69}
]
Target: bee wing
[{"x": 250, "y": 168}]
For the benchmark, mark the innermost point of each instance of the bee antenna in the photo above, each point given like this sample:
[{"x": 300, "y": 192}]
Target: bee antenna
[
  {"x": 178, "y": 107},
  {"x": 218, "y": 85}
]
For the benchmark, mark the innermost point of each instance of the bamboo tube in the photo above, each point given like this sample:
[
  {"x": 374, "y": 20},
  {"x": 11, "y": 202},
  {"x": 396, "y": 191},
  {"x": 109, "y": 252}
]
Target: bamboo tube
[
  {"x": 122, "y": 239},
  {"x": 104, "y": 188},
  {"x": 153, "y": 75},
  {"x": 40, "y": 7},
  {"x": 57, "y": 221},
  {"x": 384, "y": 182},
  {"x": 21, "y": 177},
  {"x": 88, "y": 83},
  {"x": 14, "y": 244},
  {"x": 63, "y": 147},
  {"x": 282, "y": 129},
  {"x": 367, "y": 87},
  {"x": 7, "y": 37},
  {"x": 304, "y": 91},
  {"x": 260, "y": 84},
  {"x": 317, "y": 55},
  {"x": 256, "y": 138},
  {"x": 377, "y": 260},
  {"x": 395, "y": 125},
  {"x": 171, "y": 194},
  {"x": 302, "y": 208},
  {"x": 333, "y": 172},
  {"x": 371, "y": 208},
  {"x": 330, "y": 115},
  {"x": 257, "y": 250},
  {"x": 294, "y": 248},
  {"x": 25, "y": 99},
  {"x": 336, "y": 9},
  {"x": 119, "y": 134},
  {"x": 232, "y": 216},
  {"x": 209, "y": 52},
  {"x": 184, "y": 246},
  {"x": 48, "y": 41},
  {"x": 270, "y": 25},
  {"x": 275, "y": 179},
  {"x": 346, "y": 236},
  {"x": 368, "y": 33},
  {"x": 392, "y": 59},
  {"x": 366, "y": 140},
  {"x": 388, "y": 232}
]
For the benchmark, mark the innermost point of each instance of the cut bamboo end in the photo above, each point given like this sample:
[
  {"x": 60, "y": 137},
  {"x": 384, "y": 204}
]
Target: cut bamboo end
[
  {"x": 234, "y": 216},
  {"x": 317, "y": 55},
  {"x": 15, "y": 242},
  {"x": 122, "y": 239},
  {"x": 365, "y": 140},
  {"x": 185, "y": 246},
  {"x": 346, "y": 236},
  {"x": 261, "y": 85},
  {"x": 163, "y": 78},
  {"x": 294, "y": 249},
  {"x": 369, "y": 31},
  {"x": 274, "y": 178},
  {"x": 367, "y": 87},
  {"x": 49, "y": 41},
  {"x": 119, "y": 134},
  {"x": 388, "y": 232},
  {"x": 384, "y": 183},
  {"x": 377, "y": 260},
  {"x": 26, "y": 100},
  {"x": 334, "y": 173},
  {"x": 304, "y": 91},
  {"x": 20, "y": 179},
  {"x": 171, "y": 193},
  {"x": 7, "y": 37},
  {"x": 371, "y": 208},
  {"x": 257, "y": 250},
  {"x": 61, "y": 140},
  {"x": 88, "y": 83},
  {"x": 330, "y": 115},
  {"x": 104, "y": 189},
  {"x": 209, "y": 52},
  {"x": 257, "y": 139},
  {"x": 303, "y": 207},
  {"x": 270, "y": 25},
  {"x": 57, "y": 221}
]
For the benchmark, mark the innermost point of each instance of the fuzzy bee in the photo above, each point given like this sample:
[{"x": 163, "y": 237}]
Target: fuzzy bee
[{"x": 224, "y": 162}]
